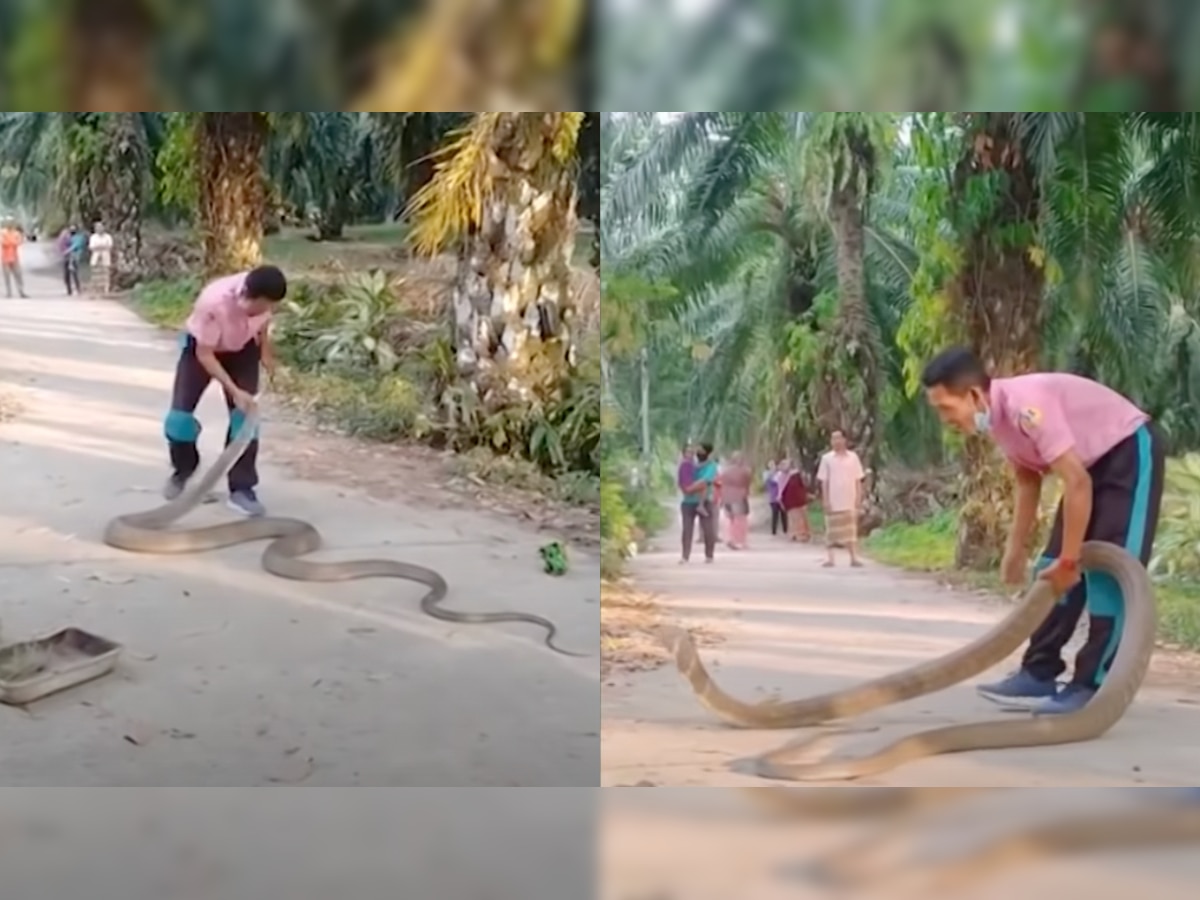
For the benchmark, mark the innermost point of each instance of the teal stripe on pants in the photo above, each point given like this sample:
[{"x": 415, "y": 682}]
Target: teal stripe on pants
[{"x": 1103, "y": 593}]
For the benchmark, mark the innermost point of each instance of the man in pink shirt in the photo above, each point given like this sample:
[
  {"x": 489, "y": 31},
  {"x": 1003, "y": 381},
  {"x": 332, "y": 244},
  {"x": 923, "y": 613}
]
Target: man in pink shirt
[
  {"x": 226, "y": 339},
  {"x": 1109, "y": 458}
]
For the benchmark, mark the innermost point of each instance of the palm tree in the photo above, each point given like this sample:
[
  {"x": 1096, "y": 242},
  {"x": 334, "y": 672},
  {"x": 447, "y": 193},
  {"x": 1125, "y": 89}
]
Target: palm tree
[
  {"x": 772, "y": 220},
  {"x": 327, "y": 162},
  {"x": 996, "y": 296},
  {"x": 408, "y": 144},
  {"x": 123, "y": 177},
  {"x": 504, "y": 194},
  {"x": 846, "y": 152},
  {"x": 230, "y": 149},
  {"x": 84, "y": 167}
]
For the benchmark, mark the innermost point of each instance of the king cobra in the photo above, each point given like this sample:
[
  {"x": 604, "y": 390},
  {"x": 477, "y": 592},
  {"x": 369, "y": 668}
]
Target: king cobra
[
  {"x": 1100, "y": 714},
  {"x": 149, "y": 532}
]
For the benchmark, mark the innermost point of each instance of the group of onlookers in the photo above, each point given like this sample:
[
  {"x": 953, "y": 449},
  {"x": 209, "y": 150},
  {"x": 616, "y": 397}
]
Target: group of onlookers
[
  {"x": 787, "y": 492},
  {"x": 708, "y": 489},
  {"x": 74, "y": 242}
]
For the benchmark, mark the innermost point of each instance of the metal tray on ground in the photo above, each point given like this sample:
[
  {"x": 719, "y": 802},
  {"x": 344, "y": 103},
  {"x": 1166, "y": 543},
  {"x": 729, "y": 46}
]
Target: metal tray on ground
[{"x": 31, "y": 670}]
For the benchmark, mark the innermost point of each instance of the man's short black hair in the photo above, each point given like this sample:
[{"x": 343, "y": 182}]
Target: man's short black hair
[
  {"x": 265, "y": 283},
  {"x": 957, "y": 369}
]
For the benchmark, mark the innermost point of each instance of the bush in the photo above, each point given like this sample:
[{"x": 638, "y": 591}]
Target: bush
[
  {"x": 928, "y": 546},
  {"x": 166, "y": 303},
  {"x": 383, "y": 408},
  {"x": 627, "y": 513},
  {"x": 1177, "y": 548}
]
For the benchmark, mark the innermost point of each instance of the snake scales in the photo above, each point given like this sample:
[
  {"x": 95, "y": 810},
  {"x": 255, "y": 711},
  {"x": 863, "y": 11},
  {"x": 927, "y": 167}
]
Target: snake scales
[
  {"x": 149, "y": 532},
  {"x": 1108, "y": 705}
]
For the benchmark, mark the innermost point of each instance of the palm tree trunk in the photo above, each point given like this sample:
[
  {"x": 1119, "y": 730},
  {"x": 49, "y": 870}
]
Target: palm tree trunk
[
  {"x": 998, "y": 294},
  {"x": 125, "y": 168},
  {"x": 512, "y": 302},
  {"x": 232, "y": 199},
  {"x": 853, "y": 379}
]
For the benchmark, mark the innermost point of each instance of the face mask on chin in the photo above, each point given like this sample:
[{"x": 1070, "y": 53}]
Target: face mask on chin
[{"x": 983, "y": 418}]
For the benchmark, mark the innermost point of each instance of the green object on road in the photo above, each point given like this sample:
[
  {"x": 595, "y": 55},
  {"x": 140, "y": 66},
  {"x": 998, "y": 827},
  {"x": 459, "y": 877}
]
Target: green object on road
[{"x": 554, "y": 558}]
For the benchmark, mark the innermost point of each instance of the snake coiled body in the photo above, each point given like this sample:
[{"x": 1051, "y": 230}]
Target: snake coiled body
[
  {"x": 917, "y": 681},
  {"x": 150, "y": 532},
  {"x": 1101, "y": 713}
]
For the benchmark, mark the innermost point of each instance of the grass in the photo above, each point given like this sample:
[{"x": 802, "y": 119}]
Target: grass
[
  {"x": 165, "y": 303},
  {"x": 924, "y": 547},
  {"x": 367, "y": 246},
  {"x": 362, "y": 247},
  {"x": 929, "y": 547}
]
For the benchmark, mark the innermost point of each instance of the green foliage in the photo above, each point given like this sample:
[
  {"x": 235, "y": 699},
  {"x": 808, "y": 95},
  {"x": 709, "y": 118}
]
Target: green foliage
[
  {"x": 328, "y": 165},
  {"x": 177, "y": 162},
  {"x": 380, "y": 407},
  {"x": 924, "y": 546},
  {"x": 928, "y": 546},
  {"x": 928, "y": 324},
  {"x": 1177, "y": 548},
  {"x": 345, "y": 333},
  {"x": 617, "y": 522},
  {"x": 165, "y": 303},
  {"x": 1179, "y": 612},
  {"x": 628, "y": 512},
  {"x": 345, "y": 326},
  {"x": 633, "y": 310},
  {"x": 559, "y": 435}
]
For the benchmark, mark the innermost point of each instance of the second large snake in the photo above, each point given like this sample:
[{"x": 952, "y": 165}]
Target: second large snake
[
  {"x": 1109, "y": 704},
  {"x": 150, "y": 532}
]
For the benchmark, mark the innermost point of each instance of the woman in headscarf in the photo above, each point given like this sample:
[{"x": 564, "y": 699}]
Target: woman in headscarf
[
  {"x": 794, "y": 500},
  {"x": 736, "y": 478}
]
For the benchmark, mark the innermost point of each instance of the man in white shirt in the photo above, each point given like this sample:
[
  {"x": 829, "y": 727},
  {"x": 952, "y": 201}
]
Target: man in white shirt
[
  {"x": 840, "y": 476},
  {"x": 100, "y": 244}
]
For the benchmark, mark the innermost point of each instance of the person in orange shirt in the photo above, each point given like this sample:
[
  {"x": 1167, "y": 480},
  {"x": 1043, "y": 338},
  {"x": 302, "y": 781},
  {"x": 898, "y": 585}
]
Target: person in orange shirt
[{"x": 10, "y": 260}]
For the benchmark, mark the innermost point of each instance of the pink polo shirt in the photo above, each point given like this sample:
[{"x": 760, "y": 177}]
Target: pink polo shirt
[
  {"x": 218, "y": 320},
  {"x": 1037, "y": 418}
]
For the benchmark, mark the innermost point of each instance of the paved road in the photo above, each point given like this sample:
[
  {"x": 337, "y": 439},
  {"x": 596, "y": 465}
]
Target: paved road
[
  {"x": 796, "y": 629},
  {"x": 234, "y": 677}
]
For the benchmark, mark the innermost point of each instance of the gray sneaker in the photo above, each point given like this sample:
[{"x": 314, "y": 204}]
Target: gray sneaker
[
  {"x": 246, "y": 503},
  {"x": 174, "y": 487}
]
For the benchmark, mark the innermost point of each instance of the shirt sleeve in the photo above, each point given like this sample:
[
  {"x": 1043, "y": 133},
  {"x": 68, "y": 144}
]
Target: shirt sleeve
[
  {"x": 823, "y": 470},
  {"x": 859, "y": 474},
  {"x": 1045, "y": 424}
]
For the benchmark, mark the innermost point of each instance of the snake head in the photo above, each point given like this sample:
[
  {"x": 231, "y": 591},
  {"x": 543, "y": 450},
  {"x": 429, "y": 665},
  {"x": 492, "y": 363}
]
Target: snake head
[{"x": 671, "y": 636}]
